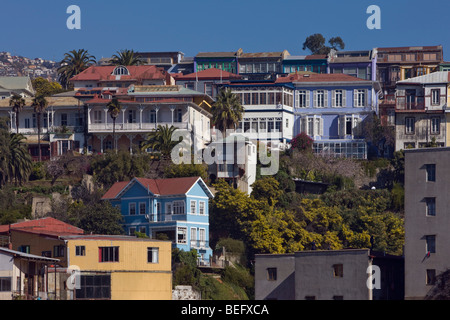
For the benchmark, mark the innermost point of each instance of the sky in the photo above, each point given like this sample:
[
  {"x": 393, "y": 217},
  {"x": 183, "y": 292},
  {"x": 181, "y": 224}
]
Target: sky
[{"x": 33, "y": 28}]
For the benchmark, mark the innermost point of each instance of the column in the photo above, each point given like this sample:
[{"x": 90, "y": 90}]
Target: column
[
  {"x": 141, "y": 110},
  {"x": 156, "y": 116},
  {"x": 106, "y": 117},
  {"x": 101, "y": 143},
  {"x": 172, "y": 109}
]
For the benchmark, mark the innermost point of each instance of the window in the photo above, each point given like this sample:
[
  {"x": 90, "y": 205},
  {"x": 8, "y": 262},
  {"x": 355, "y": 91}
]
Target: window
[
  {"x": 338, "y": 270},
  {"x": 360, "y": 98},
  {"x": 27, "y": 123},
  {"x": 182, "y": 235},
  {"x": 431, "y": 277},
  {"x": 193, "y": 207},
  {"x": 178, "y": 207},
  {"x": 97, "y": 116},
  {"x": 435, "y": 125},
  {"x": 272, "y": 274},
  {"x": 201, "y": 207},
  {"x": 302, "y": 99},
  {"x": 132, "y": 231},
  {"x": 80, "y": 250},
  {"x": 132, "y": 208},
  {"x": 119, "y": 71},
  {"x": 431, "y": 206},
  {"x": 435, "y": 97},
  {"x": 24, "y": 249},
  {"x": 338, "y": 98},
  {"x": 319, "y": 99},
  {"x": 169, "y": 208},
  {"x": 431, "y": 172},
  {"x": 202, "y": 237},
  {"x": 58, "y": 251},
  {"x": 152, "y": 255},
  {"x": 94, "y": 287},
  {"x": 63, "y": 119},
  {"x": 430, "y": 244},
  {"x": 5, "y": 284},
  {"x": 108, "y": 254},
  {"x": 348, "y": 125},
  {"x": 142, "y": 208},
  {"x": 409, "y": 125}
]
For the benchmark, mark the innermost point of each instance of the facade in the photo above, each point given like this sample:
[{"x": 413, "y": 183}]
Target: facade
[
  {"x": 313, "y": 63},
  {"x": 328, "y": 275},
  {"x": 261, "y": 65},
  {"x": 110, "y": 267},
  {"x": 23, "y": 275},
  {"x": 268, "y": 110},
  {"x": 360, "y": 64},
  {"x": 16, "y": 85},
  {"x": 227, "y": 61},
  {"x": 401, "y": 63},
  {"x": 235, "y": 162},
  {"x": 164, "y": 60},
  {"x": 208, "y": 81},
  {"x": 421, "y": 111},
  {"x": 331, "y": 108},
  {"x": 144, "y": 108},
  {"x": 175, "y": 209},
  {"x": 426, "y": 219}
]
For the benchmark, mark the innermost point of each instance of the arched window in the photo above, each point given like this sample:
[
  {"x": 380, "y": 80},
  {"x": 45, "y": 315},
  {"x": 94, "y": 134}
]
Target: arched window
[{"x": 121, "y": 71}]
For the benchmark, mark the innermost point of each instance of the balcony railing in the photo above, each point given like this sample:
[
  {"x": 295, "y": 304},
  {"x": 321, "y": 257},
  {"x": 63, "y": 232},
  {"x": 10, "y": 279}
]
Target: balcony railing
[
  {"x": 131, "y": 127},
  {"x": 199, "y": 244},
  {"x": 406, "y": 103}
]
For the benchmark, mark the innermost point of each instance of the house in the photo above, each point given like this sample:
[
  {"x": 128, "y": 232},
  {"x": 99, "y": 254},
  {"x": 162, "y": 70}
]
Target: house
[
  {"x": 361, "y": 64},
  {"x": 426, "y": 215},
  {"x": 421, "y": 111},
  {"x": 227, "y": 61},
  {"x": 207, "y": 81},
  {"x": 235, "y": 161},
  {"x": 261, "y": 65},
  {"x": 16, "y": 85},
  {"x": 165, "y": 59},
  {"x": 329, "y": 275},
  {"x": 143, "y": 109},
  {"x": 108, "y": 267},
  {"x": 268, "y": 110},
  {"x": 331, "y": 108},
  {"x": 175, "y": 209},
  {"x": 120, "y": 77},
  {"x": 24, "y": 275},
  {"x": 401, "y": 63},
  {"x": 317, "y": 63}
]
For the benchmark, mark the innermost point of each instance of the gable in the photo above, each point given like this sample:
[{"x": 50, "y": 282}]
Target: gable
[
  {"x": 134, "y": 189},
  {"x": 199, "y": 189}
]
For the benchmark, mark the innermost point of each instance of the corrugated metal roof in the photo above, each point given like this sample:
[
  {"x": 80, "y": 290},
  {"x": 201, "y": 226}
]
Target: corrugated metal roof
[
  {"x": 435, "y": 77},
  {"x": 27, "y": 255}
]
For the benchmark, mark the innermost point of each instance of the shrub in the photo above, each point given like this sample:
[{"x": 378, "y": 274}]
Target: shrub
[{"x": 302, "y": 142}]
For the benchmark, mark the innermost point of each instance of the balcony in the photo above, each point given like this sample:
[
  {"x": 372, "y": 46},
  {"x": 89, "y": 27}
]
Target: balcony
[
  {"x": 134, "y": 127},
  {"x": 408, "y": 104},
  {"x": 199, "y": 244}
]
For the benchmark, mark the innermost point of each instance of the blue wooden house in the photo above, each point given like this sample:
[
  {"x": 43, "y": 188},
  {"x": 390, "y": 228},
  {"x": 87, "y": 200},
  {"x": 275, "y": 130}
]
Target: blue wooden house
[
  {"x": 331, "y": 109},
  {"x": 175, "y": 208}
]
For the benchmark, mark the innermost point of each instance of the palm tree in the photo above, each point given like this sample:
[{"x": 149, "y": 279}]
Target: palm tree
[
  {"x": 161, "y": 140},
  {"x": 73, "y": 63},
  {"x": 20, "y": 162},
  {"x": 39, "y": 104},
  {"x": 114, "y": 107},
  {"x": 17, "y": 102},
  {"x": 227, "y": 111},
  {"x": 126, "y": 58}
]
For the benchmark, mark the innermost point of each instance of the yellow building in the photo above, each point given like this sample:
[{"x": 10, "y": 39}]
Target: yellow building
[{"x": 104, "y": 266}]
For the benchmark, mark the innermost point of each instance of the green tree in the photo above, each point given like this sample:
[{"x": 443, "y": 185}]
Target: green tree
[
  {"x": 45, "y": 88},
  {"x": 114, "y": 108},
  {"x": 39, "y": 105},
  {"x": 161, "y": 141},
  {"x": 316, "y": 44},
  {"x": 20, "y": 163},
  {"x": 17, "y": 102},
  {"x": 99, "y": 218},
  {"x": 186, "y": 170},
  {"x": 267, "y": 188},
  {"x": 126, "y": 58},
  {"x": 227, "y": 111},
  {"x": 74, "y": 62}
]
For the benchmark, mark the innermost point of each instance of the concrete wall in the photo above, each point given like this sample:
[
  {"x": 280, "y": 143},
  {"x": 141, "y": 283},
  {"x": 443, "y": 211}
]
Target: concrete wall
[{"x": 418, "y": 224}]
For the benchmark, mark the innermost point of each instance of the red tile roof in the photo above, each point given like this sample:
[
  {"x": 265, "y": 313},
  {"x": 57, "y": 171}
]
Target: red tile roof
[
  {"x": 172, "y": 186},
  {"x": 319, "y": 77},
  {"x": 207, "y": 74},
  {"x": 105, "y": 73},
  {"x": 47, "y": 226}
]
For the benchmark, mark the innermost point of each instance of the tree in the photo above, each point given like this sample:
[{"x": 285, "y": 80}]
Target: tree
[
  {"x": 100, "y": 218},
  {"x": 17, "y": 102},
  {"x": 74, "y": 62},
  {"x": 20, "y": 162},
  {"x": 161, "y": 140},
  {"x": 186, "y": 170},
  {"x": 268, "y": 189},
  {"x": 379, "y": 135},
  {"x": 302, "y": 142},
  {"x": 45, "y": 88},
  {"x": 114, "y": 108},
  {"x": 316, "y": 44},
  {"x": 126, "y": 58},
  {"x": 227, "y": 111},
  {"x": 39, "y": 104}
]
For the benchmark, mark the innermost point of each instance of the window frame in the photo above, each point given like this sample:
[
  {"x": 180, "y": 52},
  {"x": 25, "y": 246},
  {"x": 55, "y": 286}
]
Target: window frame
[
  {"x": 105, "y": 256},
  {"x": 129, "y": 208},
  {"x": 151, "y": 254}
]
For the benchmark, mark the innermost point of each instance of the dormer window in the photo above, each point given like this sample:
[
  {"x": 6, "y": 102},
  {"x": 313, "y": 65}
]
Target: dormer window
[{"x": 121, "y": 71}]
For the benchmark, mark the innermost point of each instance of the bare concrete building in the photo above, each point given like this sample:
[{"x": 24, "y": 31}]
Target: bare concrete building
[{"x": 427, "y": 219}]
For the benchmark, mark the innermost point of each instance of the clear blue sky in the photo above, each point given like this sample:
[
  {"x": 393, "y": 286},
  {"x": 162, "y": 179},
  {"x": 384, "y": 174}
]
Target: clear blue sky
[{"x": 35, "y": 28}]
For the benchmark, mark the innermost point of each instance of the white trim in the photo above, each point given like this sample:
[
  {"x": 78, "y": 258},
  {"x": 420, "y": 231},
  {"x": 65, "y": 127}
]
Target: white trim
[
  {"x": 195, "y": 207},
  {"x": 129, "y": 209},
  {"x": 204, "y": 208},
  {"x": 139, "y": 208}
]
